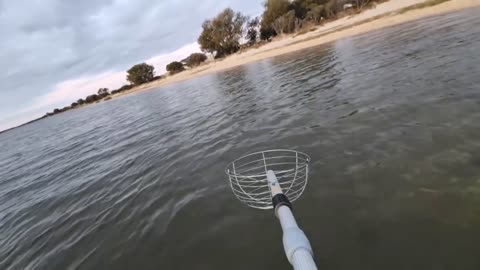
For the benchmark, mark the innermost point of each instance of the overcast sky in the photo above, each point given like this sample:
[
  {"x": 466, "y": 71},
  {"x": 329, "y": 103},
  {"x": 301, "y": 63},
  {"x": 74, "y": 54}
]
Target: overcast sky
[{"x": 56, "y": 51}]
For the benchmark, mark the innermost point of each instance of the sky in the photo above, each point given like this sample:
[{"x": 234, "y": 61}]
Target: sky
[{"x": 57, "y": 51}]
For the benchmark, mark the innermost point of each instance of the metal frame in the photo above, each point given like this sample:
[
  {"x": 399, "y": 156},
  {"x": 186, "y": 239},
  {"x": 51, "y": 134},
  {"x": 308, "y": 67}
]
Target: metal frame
[{"x": 248, "y": 176}]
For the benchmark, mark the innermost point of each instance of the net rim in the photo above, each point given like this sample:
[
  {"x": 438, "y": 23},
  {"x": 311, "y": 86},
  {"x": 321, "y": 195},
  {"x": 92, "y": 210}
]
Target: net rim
[
  {"x": 247, "y": 178},
  {"x": 231, "y": 164}
]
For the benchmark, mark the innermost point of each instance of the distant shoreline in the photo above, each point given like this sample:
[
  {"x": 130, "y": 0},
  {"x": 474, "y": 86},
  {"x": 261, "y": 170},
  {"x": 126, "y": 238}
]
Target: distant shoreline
[
  {"x": 386, "y": 14},
  {"x": 390, "y": 13}
]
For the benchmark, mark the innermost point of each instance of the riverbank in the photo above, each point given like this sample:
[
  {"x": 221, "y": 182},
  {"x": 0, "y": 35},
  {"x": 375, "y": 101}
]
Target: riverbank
[{"x": 383, "y": 15}]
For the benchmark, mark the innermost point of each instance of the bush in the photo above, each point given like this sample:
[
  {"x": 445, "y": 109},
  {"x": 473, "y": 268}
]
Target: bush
[
  {"x": 266, "y": 33},
  {"x": 140, "y": 73},
  {"x": 157, "y": 78},
  {"x": 175, "y": 67},
  {"x": 195, "y": 59},
  {"x": 102, "y": 91},
  {"x": 123, "y": 88},
  {"x": 286, "y": 23},
  {"x": 316, "y": 13},
  {"x": 92, "y": 98},
  {"x": 126, "y": 87},
  {"x": 103, "y": 95},
  {"x": 274, "y": 9},
  {"x": 252, "y": 30}
]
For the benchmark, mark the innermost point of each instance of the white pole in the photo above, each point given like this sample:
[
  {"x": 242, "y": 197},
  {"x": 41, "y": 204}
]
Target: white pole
[{"x": 295, "y": 242}]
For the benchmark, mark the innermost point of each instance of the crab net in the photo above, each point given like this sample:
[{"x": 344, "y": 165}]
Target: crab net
[{"x": 248, "y": 176}]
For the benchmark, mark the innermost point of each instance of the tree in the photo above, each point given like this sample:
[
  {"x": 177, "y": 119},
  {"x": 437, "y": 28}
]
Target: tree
[
  {"x": 330, "y": 8},
  {"x": 221, "y": 35},
  {"x": 315, "y": 13},
  {"x": 140, "y": 73},
  {"x": 304, "y": 7},
  {"x": 74, "y": 104},
  {"x": 195, "y": 59},
  {"x": 360, "y": 4},
  {"x": 285, "y": 23},
  {"x": 273, "y": 10},
  {"x": 266, "y": 32},
  {"x": 80, "y": 101},
  {"x": 252, "y": 30},
  {"x": 175, "y": 67},
  {"x": 103, "y": 91},
  {"x": 92, "y": 98}
]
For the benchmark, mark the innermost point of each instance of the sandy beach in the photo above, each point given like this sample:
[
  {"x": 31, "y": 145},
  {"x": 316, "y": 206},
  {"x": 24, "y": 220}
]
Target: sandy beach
[{"x": 383, "y": 15}]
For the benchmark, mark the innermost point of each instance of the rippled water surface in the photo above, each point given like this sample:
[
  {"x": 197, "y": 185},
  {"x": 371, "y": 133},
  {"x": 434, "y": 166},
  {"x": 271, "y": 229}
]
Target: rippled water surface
[{"x": 391, "y": 120}]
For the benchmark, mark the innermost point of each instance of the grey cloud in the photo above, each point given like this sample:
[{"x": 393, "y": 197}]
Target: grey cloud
[{"x": 49, "y": 41}]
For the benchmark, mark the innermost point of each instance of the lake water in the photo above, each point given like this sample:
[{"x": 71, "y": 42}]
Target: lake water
[{"x": 391, "y": 120}]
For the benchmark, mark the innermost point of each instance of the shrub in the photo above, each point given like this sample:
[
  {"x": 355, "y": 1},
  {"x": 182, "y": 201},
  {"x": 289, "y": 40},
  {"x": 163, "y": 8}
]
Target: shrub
[
  {"x": 157, "y": 78},
  {"x": 195, "y": 59},
  {"x": 102, "y": 91},
  {"x": 175, "y": 67},
  {"x": 92, "y": 98},
  {"x": 140, "y": 73},
  {"x": 126, "y": 87}
]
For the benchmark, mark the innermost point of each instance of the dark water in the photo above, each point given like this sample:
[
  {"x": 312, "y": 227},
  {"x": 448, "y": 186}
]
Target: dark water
[{"x": 391, "y": 120}]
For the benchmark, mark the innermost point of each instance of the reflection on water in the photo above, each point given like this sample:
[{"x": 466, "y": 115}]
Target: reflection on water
[{"x": 391, "y": 120}]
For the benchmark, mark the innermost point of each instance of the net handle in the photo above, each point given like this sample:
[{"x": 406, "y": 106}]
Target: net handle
[{"x": 295, "y": 243}]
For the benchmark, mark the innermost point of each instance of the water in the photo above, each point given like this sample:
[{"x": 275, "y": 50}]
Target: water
[{"x": 391, "y": 120}]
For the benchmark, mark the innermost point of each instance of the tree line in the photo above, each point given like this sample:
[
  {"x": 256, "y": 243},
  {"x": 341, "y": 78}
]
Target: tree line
[
  {"x": 230, "y": 31},
  {"x": 223, "y": 34},
  {"x": 136, "y": 75}
]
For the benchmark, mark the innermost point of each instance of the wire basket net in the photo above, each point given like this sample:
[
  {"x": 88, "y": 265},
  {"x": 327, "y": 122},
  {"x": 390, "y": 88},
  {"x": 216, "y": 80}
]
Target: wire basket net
[{"x": 248, "y": 176}]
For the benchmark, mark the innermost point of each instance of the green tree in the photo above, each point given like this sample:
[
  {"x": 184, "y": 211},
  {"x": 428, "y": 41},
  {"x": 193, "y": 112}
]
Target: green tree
[
  {"x": 285, "y": 23},
  {"x": 175, "y": 67},
  {"x": 331, "y": 8},
  {"x": 221, "y": 35},
  {"x": 195, "y": 59},
  {"x": 140, "y": 73},
  {"x": 273, "y": 10},
  {"x": 92, "y": 98},
  {"x": 103, "y": 92},
  {"x": 314, "y": 10},
  {"x": 315, "y": 13},
  {"x": 252, "y": 30},
  {"x": 266, "y": 32}
]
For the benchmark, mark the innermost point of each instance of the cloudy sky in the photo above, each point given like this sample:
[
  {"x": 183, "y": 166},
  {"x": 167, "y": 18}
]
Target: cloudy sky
[{"x": 56, "y": 51}]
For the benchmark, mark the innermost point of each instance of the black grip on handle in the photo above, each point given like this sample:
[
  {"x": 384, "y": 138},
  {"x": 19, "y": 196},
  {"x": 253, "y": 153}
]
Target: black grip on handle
[{"x": 281, "y": 199}]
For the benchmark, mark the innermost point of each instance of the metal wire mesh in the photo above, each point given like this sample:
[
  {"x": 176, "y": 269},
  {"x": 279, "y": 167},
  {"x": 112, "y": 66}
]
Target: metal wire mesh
[{"x": 248, "y": 176}]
